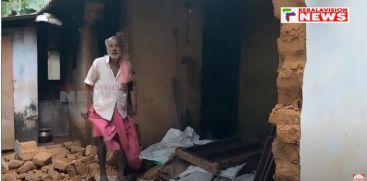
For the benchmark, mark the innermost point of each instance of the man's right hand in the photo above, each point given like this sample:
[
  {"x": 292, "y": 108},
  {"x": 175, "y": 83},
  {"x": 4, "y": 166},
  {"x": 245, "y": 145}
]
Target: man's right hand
[{"x": 85, "y": 112}]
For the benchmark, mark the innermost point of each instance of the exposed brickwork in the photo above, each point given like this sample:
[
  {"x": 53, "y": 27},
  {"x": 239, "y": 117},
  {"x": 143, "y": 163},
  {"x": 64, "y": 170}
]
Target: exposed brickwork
[{"x": 286, "y": 114}]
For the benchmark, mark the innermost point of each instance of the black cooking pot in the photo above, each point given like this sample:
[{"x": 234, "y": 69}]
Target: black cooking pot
[{"x": 44, "y": 135}]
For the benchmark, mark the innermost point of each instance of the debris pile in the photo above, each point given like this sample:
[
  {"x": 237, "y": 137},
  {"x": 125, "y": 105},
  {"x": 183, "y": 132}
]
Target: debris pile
[{"x": 66, "y": 161}]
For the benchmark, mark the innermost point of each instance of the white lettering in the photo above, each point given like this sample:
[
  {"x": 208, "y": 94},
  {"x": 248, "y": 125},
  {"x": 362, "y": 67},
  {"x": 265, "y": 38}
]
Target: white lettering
[
  {"x": 315, "y": 16},
  {"x": 341, "y": 17},
  {"x": 328, "y": 16},
  {"x": 305, "y": 17}
]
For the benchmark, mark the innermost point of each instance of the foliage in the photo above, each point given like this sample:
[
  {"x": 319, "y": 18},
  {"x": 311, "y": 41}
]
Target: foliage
[{"x": 21, "y": 7}]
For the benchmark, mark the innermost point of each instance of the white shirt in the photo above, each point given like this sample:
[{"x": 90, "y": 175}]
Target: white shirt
[{"x": 106, "y": 90}]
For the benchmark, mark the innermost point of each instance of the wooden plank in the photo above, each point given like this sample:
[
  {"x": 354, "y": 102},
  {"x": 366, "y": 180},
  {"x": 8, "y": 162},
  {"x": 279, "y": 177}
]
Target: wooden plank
[
  {"x": 226, "y": 149},
  {"x": 213, "y": 145},
  {"x": 212, "y": 167},
  {"x": 230, "y": 162},
  {"x": 7, "y": 108},
  {"x": 225, "y": 154}
]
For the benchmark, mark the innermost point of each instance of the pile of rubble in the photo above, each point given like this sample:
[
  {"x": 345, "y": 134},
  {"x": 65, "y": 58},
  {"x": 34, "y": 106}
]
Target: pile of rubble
[{"x": 67, "y": 161}]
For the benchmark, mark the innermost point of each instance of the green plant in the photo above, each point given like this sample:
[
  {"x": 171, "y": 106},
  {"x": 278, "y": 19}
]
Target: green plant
[{"x": 21, "y": 7}]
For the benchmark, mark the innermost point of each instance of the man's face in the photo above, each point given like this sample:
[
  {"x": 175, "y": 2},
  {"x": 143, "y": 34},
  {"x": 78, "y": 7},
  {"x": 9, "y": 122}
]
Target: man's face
[{"x": 113, "y": 49}]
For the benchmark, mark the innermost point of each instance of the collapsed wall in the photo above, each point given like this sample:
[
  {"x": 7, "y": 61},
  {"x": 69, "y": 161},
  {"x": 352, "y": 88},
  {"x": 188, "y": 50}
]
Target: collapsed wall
[
  {"x": 66, "y": 161},
  {"x": 286, "y": 114}
]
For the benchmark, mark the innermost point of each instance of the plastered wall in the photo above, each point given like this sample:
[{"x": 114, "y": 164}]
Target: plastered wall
[{"x": 333, "y": 117}]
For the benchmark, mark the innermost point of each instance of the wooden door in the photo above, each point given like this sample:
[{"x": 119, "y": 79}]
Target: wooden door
[{"x": 7, "y": 94}]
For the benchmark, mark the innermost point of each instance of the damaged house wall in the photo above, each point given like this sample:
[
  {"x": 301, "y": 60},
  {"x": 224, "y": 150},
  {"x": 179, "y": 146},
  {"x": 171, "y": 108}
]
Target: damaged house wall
[
  {"x": 24, "y": 46},
  {"x": 333, "y": 118},
  {"x": 156, "y": 54},
  {"x": 152, "y": 47},
  {"x": 286, "y": 114}
]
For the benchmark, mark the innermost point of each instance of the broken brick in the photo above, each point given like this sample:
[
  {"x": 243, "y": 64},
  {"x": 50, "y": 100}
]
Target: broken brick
[
  {"x": 94, "y": 167},
  {"x": 76, "y": 178},
  {"x": 70, "y": 144},
  {"x": 79, "y": 155},
  {"x": 62, "y": 176},
  {"x": 4, "y": 167},
  {"x": 54, "y": 175},
  {"x": 28, "y": 154},
  {"x": 285, "y": 151},
  {"x": 13, "y": 164},
  {"x": 26, "y": 150},
  {"x": 77, "y": 149},
  {"x": 28, "y": 165},
  {"x": 90, "y": 150},
  {"x": 53, "y": 146},
  {"x": 35, "y": 176},
  {"x": 9, "y": 157},
  {"x": 57, "y": 151},
  {"x": 60, "y": 164},
  {"x": 21, "y": 176},
  {"x": 81, "y": 169},
  {"x": 78, "y": 142},
  {"x": 28, "y": 144},
  {"x": 286, "y": 171},
  {"x": 42, "y": 158},
  {"x": 71, "y": 156},
  {"x": 70, "y": 169},
  {"x": 289, "y": 133},
  {"x": 89, "y": 159},
  {"x": 9, "y": 177},
  {"x": 46, "y": 177},
  {"x": 47, "y": 169},
  {"x": 285, "y": 115},
  {"x": 58, "y": 157}
]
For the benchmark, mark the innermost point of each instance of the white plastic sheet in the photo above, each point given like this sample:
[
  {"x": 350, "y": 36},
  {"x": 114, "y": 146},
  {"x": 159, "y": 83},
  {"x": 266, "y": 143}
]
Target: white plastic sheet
[{"x": 162, "y": 151}]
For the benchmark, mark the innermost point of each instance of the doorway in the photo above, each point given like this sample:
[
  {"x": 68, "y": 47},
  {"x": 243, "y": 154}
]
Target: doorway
[
  {"x": 239, "y": 68},
  {"x": 221, "y": 59}
]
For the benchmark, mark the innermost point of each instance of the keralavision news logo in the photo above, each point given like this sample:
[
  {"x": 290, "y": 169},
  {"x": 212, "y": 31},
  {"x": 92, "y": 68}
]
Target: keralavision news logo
[{"x": 314, "y": 15}]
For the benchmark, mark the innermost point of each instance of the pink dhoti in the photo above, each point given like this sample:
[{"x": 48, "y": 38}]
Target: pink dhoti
[{"x": 123, "y": 128}]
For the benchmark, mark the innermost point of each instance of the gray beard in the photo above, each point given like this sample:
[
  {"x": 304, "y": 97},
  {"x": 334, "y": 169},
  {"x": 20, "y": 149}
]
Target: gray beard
[{"x": 114, "y": 56}]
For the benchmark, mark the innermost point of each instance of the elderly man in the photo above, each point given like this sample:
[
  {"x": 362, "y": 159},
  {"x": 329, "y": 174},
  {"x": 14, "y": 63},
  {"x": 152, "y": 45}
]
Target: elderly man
[{"x": 108, "y": 114}]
